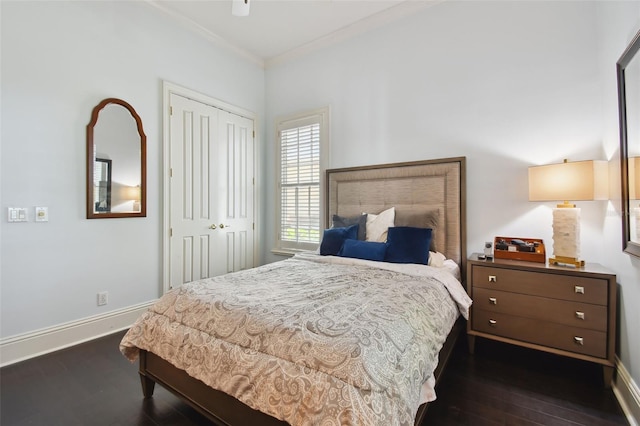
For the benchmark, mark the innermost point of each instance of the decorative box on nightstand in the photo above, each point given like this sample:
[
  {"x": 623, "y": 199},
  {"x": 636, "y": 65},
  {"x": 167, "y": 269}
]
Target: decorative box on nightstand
[{"x": 565, "y": 311}]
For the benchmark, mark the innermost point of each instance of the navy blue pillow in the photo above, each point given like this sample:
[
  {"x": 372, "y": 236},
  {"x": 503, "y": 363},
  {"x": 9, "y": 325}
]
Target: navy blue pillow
[
  {"x": 333, "y": 238},
  {"x": 369, "y": 250},
  {"x": 406, "y": 244}
]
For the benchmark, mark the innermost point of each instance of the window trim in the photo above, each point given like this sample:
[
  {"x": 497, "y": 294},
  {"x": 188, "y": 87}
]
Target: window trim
[{"x": 320, "y": 116}]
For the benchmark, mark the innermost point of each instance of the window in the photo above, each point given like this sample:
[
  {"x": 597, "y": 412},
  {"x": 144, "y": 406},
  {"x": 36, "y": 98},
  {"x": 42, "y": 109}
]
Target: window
[{"x": 302, "y": 142}]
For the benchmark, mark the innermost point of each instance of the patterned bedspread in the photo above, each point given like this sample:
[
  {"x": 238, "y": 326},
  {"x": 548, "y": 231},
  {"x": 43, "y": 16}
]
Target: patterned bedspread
[{"x": 310, "y": 340}]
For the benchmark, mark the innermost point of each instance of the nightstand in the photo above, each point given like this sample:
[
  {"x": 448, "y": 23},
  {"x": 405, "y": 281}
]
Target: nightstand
[{"x": 565, "y": 311}]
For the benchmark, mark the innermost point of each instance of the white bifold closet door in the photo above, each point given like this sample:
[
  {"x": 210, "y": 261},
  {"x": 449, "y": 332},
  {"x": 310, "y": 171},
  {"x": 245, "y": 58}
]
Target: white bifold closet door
[{"x": 211, "y": 192}]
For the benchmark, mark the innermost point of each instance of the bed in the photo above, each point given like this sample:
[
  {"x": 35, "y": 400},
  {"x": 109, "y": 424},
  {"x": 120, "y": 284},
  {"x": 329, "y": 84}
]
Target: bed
[{"x": 350, "y": 346}]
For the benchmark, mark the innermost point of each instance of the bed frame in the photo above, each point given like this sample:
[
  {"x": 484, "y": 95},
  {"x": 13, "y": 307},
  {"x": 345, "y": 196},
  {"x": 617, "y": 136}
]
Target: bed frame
[{"x": 414, "y": 186}]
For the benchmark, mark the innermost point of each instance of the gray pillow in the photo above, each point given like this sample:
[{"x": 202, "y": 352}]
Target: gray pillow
[
  {"x": 343, "y": 222},
  {"x": 421, "y": 217}
]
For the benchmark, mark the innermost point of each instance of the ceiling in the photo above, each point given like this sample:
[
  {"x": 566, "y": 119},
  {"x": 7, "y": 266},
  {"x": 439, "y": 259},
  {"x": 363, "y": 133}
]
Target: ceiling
[{"x": 279, "y": 29}]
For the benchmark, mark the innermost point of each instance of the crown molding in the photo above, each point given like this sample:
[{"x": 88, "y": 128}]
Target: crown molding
[
  {"x": 394, "y": 13},
  {"x": 384, "y": 17},
  {"x": 207, "y": 34}
]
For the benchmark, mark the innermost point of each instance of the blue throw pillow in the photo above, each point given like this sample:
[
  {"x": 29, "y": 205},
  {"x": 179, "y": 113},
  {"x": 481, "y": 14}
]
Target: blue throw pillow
[
  {"x": 406, "y": 244},
  {"x": 369, "y": 250},
  {"x": 333, "y": 238}
]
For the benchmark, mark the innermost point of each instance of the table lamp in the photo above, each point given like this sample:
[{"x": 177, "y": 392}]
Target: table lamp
[{"x": 578, "y": 181}]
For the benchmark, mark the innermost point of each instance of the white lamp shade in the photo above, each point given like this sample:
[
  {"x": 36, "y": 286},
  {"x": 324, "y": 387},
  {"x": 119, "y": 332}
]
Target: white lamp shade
[
  {"x": 131, "y": 193},
  {"x": 576, "y": 181},
  {"x": 634, "y": 178}
]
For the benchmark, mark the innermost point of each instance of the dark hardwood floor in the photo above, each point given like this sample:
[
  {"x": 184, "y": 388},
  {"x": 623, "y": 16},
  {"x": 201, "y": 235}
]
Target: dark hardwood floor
[{"x": 93, "y": 384}]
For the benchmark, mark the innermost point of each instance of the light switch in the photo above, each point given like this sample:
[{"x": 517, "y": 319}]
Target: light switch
[
  {"x": 42, "y": 214},
  {"x": 17, "y": 214}
]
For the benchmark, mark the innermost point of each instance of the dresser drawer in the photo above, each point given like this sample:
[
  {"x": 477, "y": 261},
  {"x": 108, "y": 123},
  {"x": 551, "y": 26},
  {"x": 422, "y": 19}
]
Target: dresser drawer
[
  {"x": 575, "y": 314},
  {"x": 557, "y": 286},
  {"x": 573, "y": 339}
]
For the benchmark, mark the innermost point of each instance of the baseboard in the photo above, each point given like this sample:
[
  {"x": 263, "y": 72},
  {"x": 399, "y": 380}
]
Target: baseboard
[
  {"x": 29, "y": 345},
  {"x": 627, "y": 393}
]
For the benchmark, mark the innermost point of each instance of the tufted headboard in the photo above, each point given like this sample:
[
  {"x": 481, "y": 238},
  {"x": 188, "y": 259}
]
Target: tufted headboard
[{"x": 429, "y": 187}]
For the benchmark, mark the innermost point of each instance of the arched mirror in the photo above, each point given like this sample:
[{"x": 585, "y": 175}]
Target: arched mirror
[
  {"x": 116, "y": 162},
  {"x": 628, "y": 69}
]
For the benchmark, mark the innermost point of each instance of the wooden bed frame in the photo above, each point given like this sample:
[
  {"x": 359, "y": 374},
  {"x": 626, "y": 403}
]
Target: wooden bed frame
[{"x": 438, "y": 184}]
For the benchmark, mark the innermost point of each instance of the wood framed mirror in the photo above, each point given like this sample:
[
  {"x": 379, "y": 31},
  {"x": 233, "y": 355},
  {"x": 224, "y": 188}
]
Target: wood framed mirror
[
  {"x": 628, "y": 71},
  {"x": 116, "y": 162}
]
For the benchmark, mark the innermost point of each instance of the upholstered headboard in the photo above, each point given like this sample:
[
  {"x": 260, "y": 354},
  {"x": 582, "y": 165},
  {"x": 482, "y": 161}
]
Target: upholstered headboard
[{"x": 432, "y": 187}]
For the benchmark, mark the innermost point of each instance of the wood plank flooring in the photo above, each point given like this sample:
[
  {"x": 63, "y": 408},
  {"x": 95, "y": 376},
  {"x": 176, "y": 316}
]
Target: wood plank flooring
[{"x": 93, "y": 384}]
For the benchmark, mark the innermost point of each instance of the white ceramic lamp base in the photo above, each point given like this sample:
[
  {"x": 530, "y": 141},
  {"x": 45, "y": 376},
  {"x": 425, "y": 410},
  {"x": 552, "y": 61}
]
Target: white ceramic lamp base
[{"x": 566, "y": 236}]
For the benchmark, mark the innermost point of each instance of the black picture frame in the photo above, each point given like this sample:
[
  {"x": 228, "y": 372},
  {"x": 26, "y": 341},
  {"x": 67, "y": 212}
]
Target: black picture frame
[{"x": 102, "y": 185}]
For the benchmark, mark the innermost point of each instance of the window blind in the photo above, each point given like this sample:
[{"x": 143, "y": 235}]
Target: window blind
[{"x": 300, "y": 184}]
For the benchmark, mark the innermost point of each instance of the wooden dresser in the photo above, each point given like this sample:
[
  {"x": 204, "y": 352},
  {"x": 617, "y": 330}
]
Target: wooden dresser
[{"x": 562, "y": 310}]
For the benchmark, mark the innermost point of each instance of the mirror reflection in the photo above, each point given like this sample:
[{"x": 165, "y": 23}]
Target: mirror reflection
[
  {"x": 102, "y": 185},
  {"x": 632, "y": 100},
  {"x": 116, "y": 147}
]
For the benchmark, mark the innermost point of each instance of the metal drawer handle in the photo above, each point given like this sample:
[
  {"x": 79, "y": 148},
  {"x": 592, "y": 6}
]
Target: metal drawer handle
[
  {"x": 578, "y": 340},
  {"x": 492, "y": 278},
  {"x": 492, "y": 322},
  {"x": 579, "y": 289},
  {"x": 580, "y": 315},
  {"x": 493, "y": 300}
]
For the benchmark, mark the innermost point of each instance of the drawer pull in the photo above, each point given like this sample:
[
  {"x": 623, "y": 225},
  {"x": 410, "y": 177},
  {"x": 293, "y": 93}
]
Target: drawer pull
[
  {"x": 493, "y": 300},
  {"x": 578, "y": 340},
  {"x": 580, "y": 315},
  {"x": 579, "y": 289},
  {"x": 492, "y": 322},
  {"x": 492, "y": 279}
]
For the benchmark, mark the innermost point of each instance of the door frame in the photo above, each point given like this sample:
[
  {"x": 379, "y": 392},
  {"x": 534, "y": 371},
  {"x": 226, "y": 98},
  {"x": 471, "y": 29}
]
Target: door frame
[{"x": 169, "y": 88}]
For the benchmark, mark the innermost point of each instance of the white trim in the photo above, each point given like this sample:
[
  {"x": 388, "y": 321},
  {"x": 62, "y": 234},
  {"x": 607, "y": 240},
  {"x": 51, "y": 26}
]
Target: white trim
[
  {"x": 627, "y": 393},
  {"x": 207, "y": 34},
  {"x": 29, "y": 345},
  {"x": 384, "y": 17},
  {"x": 323, "y": 117},
  {"x": 167, "y": 89},
  {"x": 394, "y": 13}
]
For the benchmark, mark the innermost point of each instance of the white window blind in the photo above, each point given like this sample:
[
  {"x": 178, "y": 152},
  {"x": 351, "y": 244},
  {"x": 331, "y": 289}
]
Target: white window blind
[{"x": 300, "y": 173}]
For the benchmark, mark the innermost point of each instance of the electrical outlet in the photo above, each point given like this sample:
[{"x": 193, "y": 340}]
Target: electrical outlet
[{"x": 103, "y": 298}]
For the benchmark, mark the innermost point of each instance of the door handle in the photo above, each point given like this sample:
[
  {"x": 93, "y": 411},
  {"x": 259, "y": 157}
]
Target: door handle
[
  {"x": 213, "y": 226},
  {"x": 222, "y": 226}
]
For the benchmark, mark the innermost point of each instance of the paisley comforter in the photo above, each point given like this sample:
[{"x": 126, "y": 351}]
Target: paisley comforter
[{"x": 312, "y": 340}]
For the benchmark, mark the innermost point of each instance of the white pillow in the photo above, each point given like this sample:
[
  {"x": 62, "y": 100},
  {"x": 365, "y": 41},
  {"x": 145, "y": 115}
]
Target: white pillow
[
  {"x": 378, "y": 225},
  {"x": 436, "y": 259}
]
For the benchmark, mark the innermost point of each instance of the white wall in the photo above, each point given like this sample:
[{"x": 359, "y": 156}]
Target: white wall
[
  {"x": 506, "y": 84},
  {"x": 619, "y": 23},
  {"x": 59, "y": 60}
]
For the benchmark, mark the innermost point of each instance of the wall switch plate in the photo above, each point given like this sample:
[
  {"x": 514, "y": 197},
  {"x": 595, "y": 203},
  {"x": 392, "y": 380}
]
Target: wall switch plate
[
  {"x": 17, "y": 214},
  {"x": 103, "y": 298},
  {"x": 42, "y": 214}
]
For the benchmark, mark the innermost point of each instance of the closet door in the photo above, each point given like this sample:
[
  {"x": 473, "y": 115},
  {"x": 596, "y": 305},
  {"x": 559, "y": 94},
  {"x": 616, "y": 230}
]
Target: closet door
[
  {"x": 237, "y": 187},
  {"x": 211, "y": 191}
]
